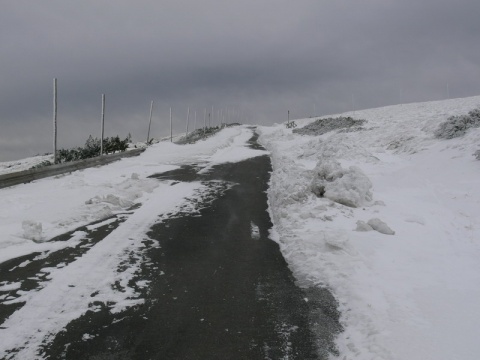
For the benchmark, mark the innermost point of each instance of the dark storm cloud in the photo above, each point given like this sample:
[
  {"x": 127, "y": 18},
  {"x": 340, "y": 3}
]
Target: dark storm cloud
[{"x": 257, "y": 57}]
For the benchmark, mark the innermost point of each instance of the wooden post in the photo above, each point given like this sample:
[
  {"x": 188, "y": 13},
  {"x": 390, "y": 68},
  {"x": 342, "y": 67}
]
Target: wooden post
[
  {"x": 205, "y": 122},
  {"x": 353, "y": 105},
  {"x": 171, "y": 133},
  {"x": 55, "y": 121},
  {"x": 103, "y": 124},
  {"x": 210, "y": 118},
  {"x": 188, "y": 120},
  {"x": 288, "y": 117},
  {"x": 195, "y": 122},
  {"x": 150, "y": 122}
]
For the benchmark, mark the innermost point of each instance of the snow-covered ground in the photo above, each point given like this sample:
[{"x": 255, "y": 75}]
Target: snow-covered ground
[
  {"x": 23, "y": 164},
  {"x": 413, "y": 295},
  {"x": 408, "y": 295}
]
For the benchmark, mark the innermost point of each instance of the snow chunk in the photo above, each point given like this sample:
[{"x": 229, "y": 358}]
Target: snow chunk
[
  {"x": 110, "y": 199},
  {"x": 32, "y": 230},
  {"x": 363, "y": 226},
  {"x": 349, "y": 187},
  {"x": 380, "y": 226},
  {"x": 255, "y": 231}
]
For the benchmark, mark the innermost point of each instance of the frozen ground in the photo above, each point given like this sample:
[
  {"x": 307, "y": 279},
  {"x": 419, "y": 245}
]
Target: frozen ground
[{"x": 409, "y": 289}]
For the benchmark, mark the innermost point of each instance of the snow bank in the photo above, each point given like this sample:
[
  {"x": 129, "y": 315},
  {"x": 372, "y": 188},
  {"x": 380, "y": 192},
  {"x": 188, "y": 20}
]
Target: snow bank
[{"x": 406, "y": 290}]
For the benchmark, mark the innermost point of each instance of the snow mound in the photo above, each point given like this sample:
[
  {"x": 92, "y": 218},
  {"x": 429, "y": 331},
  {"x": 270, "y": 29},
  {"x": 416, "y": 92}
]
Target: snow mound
[
  {"x": 32, "y": 230},
  {"x": 349, "y": 187}
]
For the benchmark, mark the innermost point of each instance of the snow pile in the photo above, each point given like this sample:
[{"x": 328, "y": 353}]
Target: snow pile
[
  {"x": 348, "y": 187},
  {"x": 32, "y": 230},
  {"x": 387, "y": 218}
]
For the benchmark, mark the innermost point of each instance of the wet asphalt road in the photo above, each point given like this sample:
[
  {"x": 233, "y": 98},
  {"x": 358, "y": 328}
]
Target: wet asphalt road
[{"x": 219, "y": 288}]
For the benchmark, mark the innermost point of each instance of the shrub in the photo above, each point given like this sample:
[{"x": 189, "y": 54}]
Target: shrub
[
  {"x": 291, "y": 125},
  {"x": 457, "y": 126},
  {"x": 322, "y": 126},
  {"x": 92, "y": 149},
  {"x": 42, "y": 164}
]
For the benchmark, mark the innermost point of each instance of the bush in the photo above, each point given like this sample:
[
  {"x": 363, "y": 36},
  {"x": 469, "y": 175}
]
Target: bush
[
  {"x": 457, "y": 126},
  {"x": 291, "y": 125},
  {"x": 42, "y": 164},
  {"x": 322, "y": 126},
  {"x": 92, "y": 149}
]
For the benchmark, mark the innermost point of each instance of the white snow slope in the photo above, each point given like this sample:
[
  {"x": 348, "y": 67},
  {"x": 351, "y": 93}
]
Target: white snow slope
[
  {"x": 32, "y": 214},
  {"x": 413, "y": 295}
]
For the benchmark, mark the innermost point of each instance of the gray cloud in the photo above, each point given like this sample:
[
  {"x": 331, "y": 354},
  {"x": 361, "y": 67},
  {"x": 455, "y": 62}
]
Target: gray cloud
[{"x": 261, "y": 58}]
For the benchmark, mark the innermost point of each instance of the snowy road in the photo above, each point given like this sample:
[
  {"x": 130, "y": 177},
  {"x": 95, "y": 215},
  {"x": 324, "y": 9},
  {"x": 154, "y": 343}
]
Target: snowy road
[{"x": 191, "y": 275}]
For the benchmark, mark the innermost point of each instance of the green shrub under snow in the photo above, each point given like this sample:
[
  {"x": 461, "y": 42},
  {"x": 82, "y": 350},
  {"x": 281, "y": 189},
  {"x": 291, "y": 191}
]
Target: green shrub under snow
[
  {"x": 92, "y": 149},
  {"x": 322, "y": 126},
  {"x": 457, "y": 126}
]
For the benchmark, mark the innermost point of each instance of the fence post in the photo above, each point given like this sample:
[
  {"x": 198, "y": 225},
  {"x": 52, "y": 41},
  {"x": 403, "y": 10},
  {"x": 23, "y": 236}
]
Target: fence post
[
  {"x": 150, "y": 122},
  {"x": 103, "y": 124},
  {"x": 205, "y": 122},
  {"x": 195, "y": 122},
  {"x": 171, "y": 134},
  {"x": 55, "y": 121},
  {"x": 210, "y": 118},
  {"x": 188, "y": 119}
]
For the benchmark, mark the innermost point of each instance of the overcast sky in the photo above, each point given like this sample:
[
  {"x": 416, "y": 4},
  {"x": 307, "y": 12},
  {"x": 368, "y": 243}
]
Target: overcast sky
[{"x": 257, "y": 58}]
